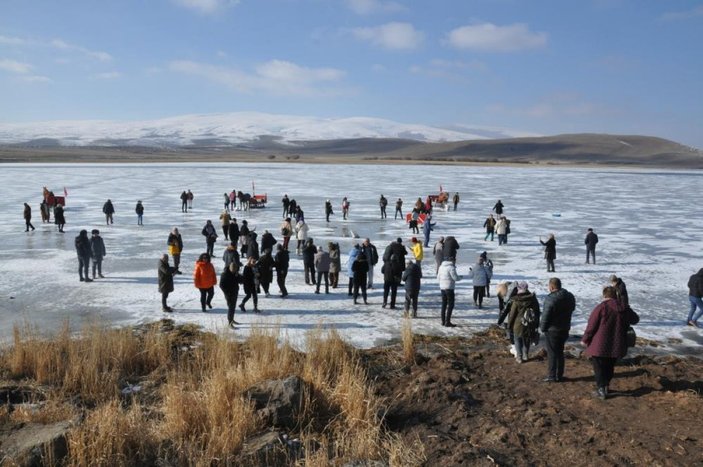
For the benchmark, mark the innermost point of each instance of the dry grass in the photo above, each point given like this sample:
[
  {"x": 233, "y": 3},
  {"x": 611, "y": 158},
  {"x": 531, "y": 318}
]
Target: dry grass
[
  {"x": 196, "y": 412},
  {"x": 408, "y": 341}
]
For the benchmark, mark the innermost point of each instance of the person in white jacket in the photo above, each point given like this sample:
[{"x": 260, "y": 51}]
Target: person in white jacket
[
  {"x": 502, "y": 230},
  {"x": 447, "y": 277},
  {"x": 301, "y": 233}
]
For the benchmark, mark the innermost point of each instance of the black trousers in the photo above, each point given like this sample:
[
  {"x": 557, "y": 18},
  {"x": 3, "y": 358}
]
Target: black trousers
[
  {"x": 28, "y": 224},
  {"x": 589, "y": 252},
  {"x": 225, "y": 230},
  {"x": 603, "y": 369},
  {"x": 210, "y": 247},
  {"x": 326, "y": 275},
  {"x": 97, "y": 265},
  {"x": 411, "y": 301},
  {"x": 309, "y": 273},
  {"x": 206, "y": 296},
  {"x": 447, "y": 305},
  {"x": 383, "y": 212},
  {"x": 254, "y": 297},
  {"x": 479, "y": 292},
  {"x": 360, "y": 285},
  {"x": 554, "y": 343},
  {"x": 184, "y": 206},
  {"x": 550, "y": 265},
  {"x": 231, "y": 298},
  {"x": 398, "y": 211},
  {"x": 164, "y": 296},
  {"x": 83, "y": 264},
  {"x": 392, "y": 288},
  {"x": 281, "y": 281}
]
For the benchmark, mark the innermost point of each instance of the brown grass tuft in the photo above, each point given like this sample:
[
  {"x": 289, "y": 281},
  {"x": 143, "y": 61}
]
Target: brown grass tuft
[{"x": 408, "y": 341}]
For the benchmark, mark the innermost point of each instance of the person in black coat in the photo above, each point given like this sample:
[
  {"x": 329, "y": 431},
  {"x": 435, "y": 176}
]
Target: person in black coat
[
  {"x": 83, "y": 251},
  {"x": 210, "y": 235},
  {"x": 165, "y": 282},
  {"x": 267, "y": 241},
  {"x": 98, "y": 252},
  {"x": 108, "y": 210},
  {"x": 233, "y": 231},
  {"x": 555, "y": 323},
  {"x": 309, "y": 251},
  {"x": 281, "y": 262},
  {"x": 229, "y": 283},
  {"x": 286, "y": 204},
  {"x": 449, "y": 249},
  {"x": 412, "y": 277},
  {"x": 550, "y": 251},
  {"x": 59, "y": 218},
  {"x": 360, "y": 268},
  {"x": 265, "y": 267},
  {"x": 244, "y": 236},
  {"x": 590, "y": 241},
  {"x": 392, "y": 272},
  {"x": 139, "y": 209},
  {"x": 398, "y": 249},
  {"x": 28, "y": 218},
  {"x": 252, "y": 246},
  {"x": 621, "y": 291},
  {"x": 249, "y": 282},
  {"x": 498, "y": 208},
  {"x": 328, "y": 210},
  {"x": 184, "y": 202}
]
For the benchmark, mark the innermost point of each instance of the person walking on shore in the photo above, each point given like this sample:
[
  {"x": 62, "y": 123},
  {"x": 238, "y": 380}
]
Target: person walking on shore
[
  {"x": 523, "y": 321},
  {"x": 550, "y": 251},
  {"x": 555, "y": 324},
  {"x": 591, "y": 241},
  {"x": 165, "y": 278},
  {"x": 97, "y": 252},
  {"x": 695, "y": 292},
  {"x": 28, "y": 218},
  {"x": 139, "y": 209},
  {"x": 205, "y": 280},
  {"x": 175, "y": 247},
  {"x": 83, "y": 251}
]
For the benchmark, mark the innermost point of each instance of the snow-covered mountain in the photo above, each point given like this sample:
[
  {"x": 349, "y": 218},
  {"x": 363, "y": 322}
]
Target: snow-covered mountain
[{"x": 238, "y": 128}]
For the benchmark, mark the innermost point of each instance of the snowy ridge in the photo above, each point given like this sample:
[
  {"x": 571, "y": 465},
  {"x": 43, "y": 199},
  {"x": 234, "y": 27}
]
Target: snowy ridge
[{"x": 231, "y": 129}]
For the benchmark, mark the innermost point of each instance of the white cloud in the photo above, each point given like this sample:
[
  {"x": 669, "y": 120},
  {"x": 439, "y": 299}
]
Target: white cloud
[
  {"x": 394, "y": 36},
  {"x": 97, "y": 55},
  {"x": 559, "y": 105},
  {"x": 365, "y": 7},
  {"x": 455, "y": 70},
  {"x": 276, "y": 77},
  {"x": 13, "y": 66},
  {"x": 680, "y": 15},
  {"x": 488, "y": 37},
  {"x": 108, "y": 75},
  {"x": 7, "y": 40},
  {"x": 206, "y": 6},
  {"x": 36, "y": 79}
]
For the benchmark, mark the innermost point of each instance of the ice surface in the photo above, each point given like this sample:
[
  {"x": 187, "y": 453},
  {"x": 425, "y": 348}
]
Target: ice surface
[{"x": 649, "y": 224}]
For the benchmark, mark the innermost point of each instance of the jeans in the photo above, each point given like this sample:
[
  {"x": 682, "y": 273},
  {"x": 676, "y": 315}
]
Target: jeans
[
  {"x": 489, "y": 233},
  {"x": 695, "y": 302},
  {"x": 255, "y": 298},
  {"x": 550, "y": 265},
  {"x": 369, "y": 277},
  {"x": 522, "y": 347},
  {"x": 603, "y": 369},
  {"x": 281, "y": 280},
  {"x": 98, "y": 264},
  {"x": 383, "y": 212},
  {"x": 479, "y": 292},
  {"x": 554, "y": 343},
  {"x": 206, "y": 297},
  {"x": 164, "y": 296},
  {"x": 140, "y": 219},
  {"x": 411, "y": 300},
  {"x": 589, "y": 252},
  {"x": 392, "y": 288},
  {"x": 397, "y": 212},
  {"x": 447, "y": 305},
  {"x": 320, "y": 275},
  {"x": 502, "y": 238},
  {"x": 83, "y": 264}
]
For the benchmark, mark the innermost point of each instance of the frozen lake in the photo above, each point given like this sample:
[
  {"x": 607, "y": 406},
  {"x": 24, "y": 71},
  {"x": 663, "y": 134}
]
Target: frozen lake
[{"x": 649, "y": 224}]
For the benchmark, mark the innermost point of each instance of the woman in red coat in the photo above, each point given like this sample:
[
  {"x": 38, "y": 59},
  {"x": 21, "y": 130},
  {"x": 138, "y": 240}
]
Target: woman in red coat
[
  {"x": 205, "y": 280},
  {"x": 605, "y": 338}
]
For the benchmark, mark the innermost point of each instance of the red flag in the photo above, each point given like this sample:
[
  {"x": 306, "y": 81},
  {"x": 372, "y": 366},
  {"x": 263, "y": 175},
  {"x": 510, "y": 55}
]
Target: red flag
[{"x": 65, "y": 192}]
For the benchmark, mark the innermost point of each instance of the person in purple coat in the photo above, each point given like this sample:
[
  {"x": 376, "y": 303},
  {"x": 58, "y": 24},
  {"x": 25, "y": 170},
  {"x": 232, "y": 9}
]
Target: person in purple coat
[{"x": 605, "y": 338}]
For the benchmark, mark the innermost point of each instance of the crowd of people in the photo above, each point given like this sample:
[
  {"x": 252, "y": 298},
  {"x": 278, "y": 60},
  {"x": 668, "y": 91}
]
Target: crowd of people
[{"x": 250, "y": 262}]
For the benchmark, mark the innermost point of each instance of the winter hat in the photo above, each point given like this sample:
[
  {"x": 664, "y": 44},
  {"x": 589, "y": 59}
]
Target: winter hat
[
  {"x": 414, "y": 239},
  {"x": 95, "y": 231},
  {"x": 521, "y": 287},
  {"x": 244, "y": 221},
  {"x": 484, "y": 255},
  {"x": 613, "y": 278},
  {"x": 399, "y": 240}
]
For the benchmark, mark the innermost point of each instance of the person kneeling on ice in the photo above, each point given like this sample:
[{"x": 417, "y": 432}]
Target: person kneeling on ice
[
  {"x": 524, "y": 321},
  {"x": 166, "y": 273},
  {"x": 447, "y": 278},
  {"x": 205, "y": 280},
  {"x": 229, "y": 284}
]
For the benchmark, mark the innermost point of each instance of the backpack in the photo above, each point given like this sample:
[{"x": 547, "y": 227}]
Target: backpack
[{"x": 529, "y": 322}]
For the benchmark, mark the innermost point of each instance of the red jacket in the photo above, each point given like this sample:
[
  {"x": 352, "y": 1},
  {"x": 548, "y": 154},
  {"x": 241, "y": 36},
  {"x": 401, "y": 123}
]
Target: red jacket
[
  {"x": 204, "y": 275},
  {"x": 605, "y": 333}
]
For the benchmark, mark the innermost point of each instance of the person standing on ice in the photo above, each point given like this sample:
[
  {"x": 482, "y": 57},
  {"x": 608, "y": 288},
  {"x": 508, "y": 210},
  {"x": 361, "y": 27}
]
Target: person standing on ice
[
  {"x": 490, "y": 225},
  {"x": 244, "y": 237},
  {"x": 309, "y": 251},
  {"x": 489, "y": 266},
  {"x": 412, "y": 276},
  {"x": 175, "y": 247},
  {"x": 249, "y": 283},
  {"x": 392, "y": 271},
  {"x": 335, "y": 263},
  {"x": 59, "y": 218},
  {"x": 108, "y": 210},
  {"x": 265, "y": 267},
  {"x": 281, "y": 261},
  {"x": 447, "y": 277},
  {"x": 252, "y": 246},
  {"x": 299, "y": 214},
  {"x": 355, "y": 251},
  {"x": 231, "y": 255},
  {"x": 292, "y": 207},
  {"x": 83, "y": 251},
  {"x": 382, "y": 203},
  {"x": 286, "y": 232},
  {"x": 418, "y": 251},
  {"x": 226, "y": 196},
  {"x": 328, "y": 210},
  {"x": 345, "y": 208},
  {"x": 232, "y": 200},
  {"x": 427, "y": 227},
  {"x": 550, "y": 251},
  {"x": 210, "y": 235},
  {"x": 190, "y": 199},
  {"x": 97, "y": 252},
  {"x": 501, "y": 228},
  {"x": 229, "y": 284},
  {"x": 165, "y": 282},
  {"x": 267, "y": 241},
  {"x": 28, "y": 218},
  {"x": 695, "y": 292},
  {"x": 455, "y": 199},
  {"x": 205, "y": 280},
  {"x": 225, "y": 221},
  {"x": 450, "y": 249},
  {"x": 498, "y": 208},
  {"x": 286, "y": 203},
  {"x": 398, "y": 209},
  {"x": 480, "y": 275},
  {"x": 438, "y": 253},
  {"x": 590, "y": 242},
  {"x": 369, "y": 249},
  {"x": 184, "y": 202},
  {"x": 301, "y": 234},
  {"x": 322, "y": 265},
  {"x": 233, "y": 231},
  {"x": 139, "y": 209},
  {"x": 360, "y": 270}
]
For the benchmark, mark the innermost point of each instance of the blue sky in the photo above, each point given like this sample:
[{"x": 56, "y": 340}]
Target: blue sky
[{"x": 613, "y": 66}]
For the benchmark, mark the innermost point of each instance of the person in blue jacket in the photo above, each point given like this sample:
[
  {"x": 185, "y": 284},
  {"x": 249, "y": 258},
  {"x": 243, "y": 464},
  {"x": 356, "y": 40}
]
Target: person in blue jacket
[
  {"x": 428, "y": 227},
  {"x": 352, "y": 257}
]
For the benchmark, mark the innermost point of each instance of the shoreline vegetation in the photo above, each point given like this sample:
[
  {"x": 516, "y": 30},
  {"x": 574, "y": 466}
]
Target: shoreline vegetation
[
  {"x": 584, "y": 150},
  {"x": 175, "y": 395}
]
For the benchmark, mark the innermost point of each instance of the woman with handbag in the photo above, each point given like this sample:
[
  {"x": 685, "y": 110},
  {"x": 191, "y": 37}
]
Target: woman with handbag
[{"x": 606, "y": 338}]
